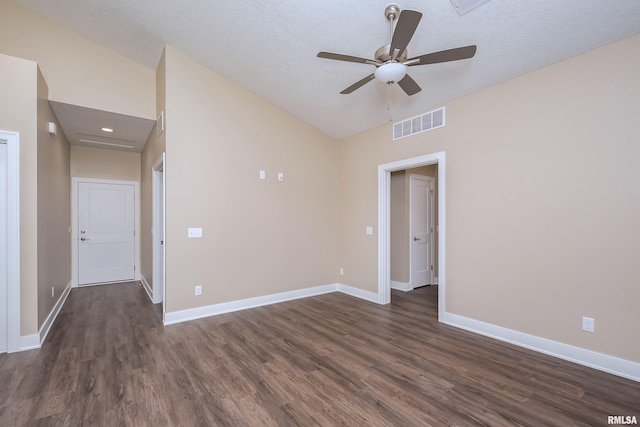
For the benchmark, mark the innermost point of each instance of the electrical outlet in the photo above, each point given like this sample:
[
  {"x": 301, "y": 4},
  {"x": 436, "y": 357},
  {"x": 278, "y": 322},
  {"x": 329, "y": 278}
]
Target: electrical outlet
[
  {"x": 341, "y": 271},
  {"x": 194, "y": 232},
  {"x": 198, "y": 290},
  {"x": 53, "y": 291},
  {"x": 588, "y": 324}
]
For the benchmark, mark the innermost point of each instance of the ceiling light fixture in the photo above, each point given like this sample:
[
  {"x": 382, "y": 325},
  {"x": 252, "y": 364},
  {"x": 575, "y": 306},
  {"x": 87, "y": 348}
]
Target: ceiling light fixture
[
  {"x": 391, "y": 72},
  {"x": 107, "y": 130}
]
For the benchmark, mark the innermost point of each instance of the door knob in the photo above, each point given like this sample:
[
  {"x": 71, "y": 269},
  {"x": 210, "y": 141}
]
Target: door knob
[
  {"x": 415, "y": 239},
  {"x": 83, "y": 239}
]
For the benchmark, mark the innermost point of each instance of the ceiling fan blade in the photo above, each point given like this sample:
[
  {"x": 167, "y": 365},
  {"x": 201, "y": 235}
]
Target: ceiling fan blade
[
  {"x": 445, "y": 55},
  {"x": 406, "y": 26},
  {"x": 348, "y": 58},
  {"x": 409, "y": 85},
  {"x": 358, "y": 84}
]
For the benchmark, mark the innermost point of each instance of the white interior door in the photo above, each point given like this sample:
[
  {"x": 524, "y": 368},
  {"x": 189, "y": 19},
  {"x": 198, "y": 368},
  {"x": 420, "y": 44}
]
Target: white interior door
[
  {"x": 421, "y": 213},
  {"x": 106, "y": 232},
  {"x": 3, "y": 247}
]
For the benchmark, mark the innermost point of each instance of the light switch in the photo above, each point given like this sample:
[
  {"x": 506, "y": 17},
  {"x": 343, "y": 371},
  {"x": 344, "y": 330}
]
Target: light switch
[
  {"x": 280, "y": 176},
  {"x": 194, "y": 232},
  {"x": 263, "y": 175},
  {"x": 370, "y": 231}
]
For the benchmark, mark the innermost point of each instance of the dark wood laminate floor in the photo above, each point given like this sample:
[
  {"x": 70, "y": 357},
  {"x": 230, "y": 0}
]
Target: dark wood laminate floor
[{"x": 326, "y": 360}]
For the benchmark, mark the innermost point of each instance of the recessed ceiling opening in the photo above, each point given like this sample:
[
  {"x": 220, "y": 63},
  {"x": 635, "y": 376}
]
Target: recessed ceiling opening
[{"x": 466, "y": 6}]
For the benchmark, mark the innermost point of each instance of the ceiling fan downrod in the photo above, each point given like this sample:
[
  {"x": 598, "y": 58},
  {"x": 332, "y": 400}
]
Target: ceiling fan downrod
[{"x": 391, "y": 13}]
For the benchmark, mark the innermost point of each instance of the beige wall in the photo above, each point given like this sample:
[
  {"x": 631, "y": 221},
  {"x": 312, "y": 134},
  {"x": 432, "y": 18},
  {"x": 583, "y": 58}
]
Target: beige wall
[
  {"x": 100, "y": 163},
  {"x": 44, "y": 191},
  {"x": 542, "y": 201},
  {"x": 259, "y": 237},
  {"x": 54, "y": 246},
  {"x": 153, "y": 149},
  {"x": 18, "y": 113},
  {"x": 77, "y": 70}
]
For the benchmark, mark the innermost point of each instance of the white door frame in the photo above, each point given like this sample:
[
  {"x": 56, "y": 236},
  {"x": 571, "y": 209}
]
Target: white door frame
[
  {"x": 12, "y": 139},
  {"x": 384, "y": 225},
  {"x": 75, "y": 183},
  {"x": 158, "y": 229}
]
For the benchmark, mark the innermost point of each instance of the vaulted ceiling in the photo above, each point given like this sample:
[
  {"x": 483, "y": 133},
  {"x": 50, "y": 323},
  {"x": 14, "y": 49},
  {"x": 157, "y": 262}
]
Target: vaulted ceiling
[{"x": 270, "y": 47}]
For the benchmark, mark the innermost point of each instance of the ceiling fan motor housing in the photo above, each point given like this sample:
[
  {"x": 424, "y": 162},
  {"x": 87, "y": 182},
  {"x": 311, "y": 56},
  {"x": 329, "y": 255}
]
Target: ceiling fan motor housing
[{"x": 382, "y": 54}]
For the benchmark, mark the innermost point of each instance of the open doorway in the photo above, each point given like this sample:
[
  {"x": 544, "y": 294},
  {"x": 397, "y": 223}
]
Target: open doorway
[
  {"x": 413, "y": 238},
  {"x": 384, "y": 224}
]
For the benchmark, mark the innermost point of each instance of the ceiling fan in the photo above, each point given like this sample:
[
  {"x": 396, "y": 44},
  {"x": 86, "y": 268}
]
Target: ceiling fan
[{"x": 391, "y": 60}]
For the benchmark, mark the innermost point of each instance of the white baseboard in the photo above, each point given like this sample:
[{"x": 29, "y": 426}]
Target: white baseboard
[
  {"x": 358, "y": 293},
  {"x": 401, "y": 286},
  {"x": 613, "y": 365},
  {"x": 146, "y": 287},
  {"x": 29, "y": 342},
  {"x": 228, "y": 307},
  {"x": 406, "y": 287},
  {"x": 46, "y": 326}
]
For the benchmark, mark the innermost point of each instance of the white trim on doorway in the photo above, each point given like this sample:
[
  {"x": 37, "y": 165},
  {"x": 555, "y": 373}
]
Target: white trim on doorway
[
  {"x": 75, "y": 181},
  {"x": 158, "y": 230},
  {"x": 12, "y": 139},
  {"x": 384, "y": 224}
]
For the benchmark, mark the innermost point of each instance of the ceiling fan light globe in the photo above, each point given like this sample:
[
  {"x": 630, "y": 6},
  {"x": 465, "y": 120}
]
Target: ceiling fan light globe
[{"x": 391, "y": 72}]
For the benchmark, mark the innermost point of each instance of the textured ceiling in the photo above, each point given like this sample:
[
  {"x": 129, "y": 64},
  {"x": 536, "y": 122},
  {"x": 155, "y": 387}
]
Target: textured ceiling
[{"x": 270, "y": 47}]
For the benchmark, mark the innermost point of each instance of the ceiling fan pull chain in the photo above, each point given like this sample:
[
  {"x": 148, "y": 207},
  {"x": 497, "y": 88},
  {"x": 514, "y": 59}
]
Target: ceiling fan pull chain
[{"x": 389, "y": 100}]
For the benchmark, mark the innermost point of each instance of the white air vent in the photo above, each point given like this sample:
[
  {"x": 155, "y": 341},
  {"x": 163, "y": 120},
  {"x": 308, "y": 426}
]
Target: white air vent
[{"x": 431, "y": 120}]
